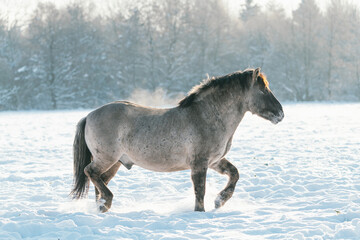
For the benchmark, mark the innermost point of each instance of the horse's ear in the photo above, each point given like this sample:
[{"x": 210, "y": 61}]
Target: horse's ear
[{"x": 256, "y": 74}]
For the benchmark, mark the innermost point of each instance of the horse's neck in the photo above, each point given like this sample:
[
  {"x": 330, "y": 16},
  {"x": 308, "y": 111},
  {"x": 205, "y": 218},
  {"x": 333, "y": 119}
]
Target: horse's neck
[{"x": 224, "y": 109}]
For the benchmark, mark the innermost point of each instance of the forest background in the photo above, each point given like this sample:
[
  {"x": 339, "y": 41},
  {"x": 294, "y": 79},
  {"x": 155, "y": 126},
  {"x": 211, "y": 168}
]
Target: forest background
[{"x": 70, "y": 56}]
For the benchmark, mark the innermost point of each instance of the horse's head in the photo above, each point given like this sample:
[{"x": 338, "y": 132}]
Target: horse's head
[{"x": 261, "y": 101}]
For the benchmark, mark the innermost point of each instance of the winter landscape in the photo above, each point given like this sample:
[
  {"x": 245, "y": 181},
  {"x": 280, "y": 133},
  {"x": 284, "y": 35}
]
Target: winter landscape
[{"x": 298, "y": 180}]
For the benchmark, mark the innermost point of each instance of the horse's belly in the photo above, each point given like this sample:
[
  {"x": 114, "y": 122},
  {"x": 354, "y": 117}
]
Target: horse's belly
[
  {"x": 159, "y": 161},
  {"x": 162, "y": 167}
]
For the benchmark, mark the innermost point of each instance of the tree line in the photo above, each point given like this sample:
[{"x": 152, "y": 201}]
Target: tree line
[{"x": 73, "y": 57}]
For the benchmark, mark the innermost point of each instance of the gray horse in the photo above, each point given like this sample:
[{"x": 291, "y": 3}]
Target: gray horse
[{"x": 195, "y": 135}]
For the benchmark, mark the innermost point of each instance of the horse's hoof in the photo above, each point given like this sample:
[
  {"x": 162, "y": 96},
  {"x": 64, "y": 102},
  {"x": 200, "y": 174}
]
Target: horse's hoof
[
  {"x": 103, "y": 205},
  {"x": 103, "y": 209},
  {"x": 199, "y": 209},
  {"x": 219, "y": 202}
]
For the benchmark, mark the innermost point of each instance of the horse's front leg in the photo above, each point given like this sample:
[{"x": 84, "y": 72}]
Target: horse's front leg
[
  {"x": 225, "y": 167},
  {"x": 198, "y": 176}
]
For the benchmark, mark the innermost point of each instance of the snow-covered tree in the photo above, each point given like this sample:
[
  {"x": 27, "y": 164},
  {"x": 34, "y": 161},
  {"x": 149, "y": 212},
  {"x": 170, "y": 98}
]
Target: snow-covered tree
[
  {"x": 306, "y": 46},
  {"x": 44, "y": 33},
  {"x": 12, "y": 61}
]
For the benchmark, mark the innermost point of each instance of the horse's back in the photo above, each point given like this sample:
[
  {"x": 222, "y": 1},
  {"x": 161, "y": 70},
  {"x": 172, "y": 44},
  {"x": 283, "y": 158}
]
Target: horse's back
[{"x": 111, "y": 115}]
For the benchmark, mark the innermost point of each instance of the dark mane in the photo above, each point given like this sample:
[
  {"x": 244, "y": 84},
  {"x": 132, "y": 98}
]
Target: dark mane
[{"x": 236, "y": 79}]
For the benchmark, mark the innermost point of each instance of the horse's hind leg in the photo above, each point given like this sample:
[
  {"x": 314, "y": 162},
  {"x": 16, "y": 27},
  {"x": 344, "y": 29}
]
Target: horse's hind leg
[
  {"x": 106, "y": 177},
  {"x": 225, "y": 167},
  {"x": 94, "y": 171}
]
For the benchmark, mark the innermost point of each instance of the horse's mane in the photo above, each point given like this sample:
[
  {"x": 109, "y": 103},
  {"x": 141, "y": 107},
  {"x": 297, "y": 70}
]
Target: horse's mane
[{"x": 237, "y": 79}]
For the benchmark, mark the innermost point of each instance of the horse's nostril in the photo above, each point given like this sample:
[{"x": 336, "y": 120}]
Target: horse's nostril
[{"x": 281, "y": 115}]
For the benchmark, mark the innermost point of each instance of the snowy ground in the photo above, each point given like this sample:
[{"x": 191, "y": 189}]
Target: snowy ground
[{"x": 299, "y": 179}]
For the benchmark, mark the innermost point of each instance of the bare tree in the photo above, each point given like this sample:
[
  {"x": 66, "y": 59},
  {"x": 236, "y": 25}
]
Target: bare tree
[
  {"x": 306, "y": 22},
  {"x": 44, "y": 33}
]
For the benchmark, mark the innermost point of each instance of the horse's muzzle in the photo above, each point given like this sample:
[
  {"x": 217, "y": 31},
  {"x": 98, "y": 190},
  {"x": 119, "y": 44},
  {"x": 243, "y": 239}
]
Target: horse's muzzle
[{"x": 278, "y": 117}]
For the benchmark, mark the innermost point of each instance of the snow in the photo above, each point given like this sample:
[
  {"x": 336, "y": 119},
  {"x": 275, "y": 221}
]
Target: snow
[{"x": 299, "y": 179}]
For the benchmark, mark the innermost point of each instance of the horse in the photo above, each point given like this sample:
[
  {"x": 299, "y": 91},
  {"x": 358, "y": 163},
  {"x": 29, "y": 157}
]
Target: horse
[{"x": 195, "y": 135}]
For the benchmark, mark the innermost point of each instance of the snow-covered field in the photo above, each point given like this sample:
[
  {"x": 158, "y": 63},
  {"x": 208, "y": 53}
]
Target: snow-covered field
[{"x": 299, "y": 179}]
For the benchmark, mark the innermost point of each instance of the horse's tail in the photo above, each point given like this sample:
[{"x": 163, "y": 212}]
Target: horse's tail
[{"x": 82, "y": 157}]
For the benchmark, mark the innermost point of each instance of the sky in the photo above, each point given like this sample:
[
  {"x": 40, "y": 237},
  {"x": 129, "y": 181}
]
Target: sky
[
  {"x": 20, "y": 9},
  {"x": 288, "y": 5}
]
